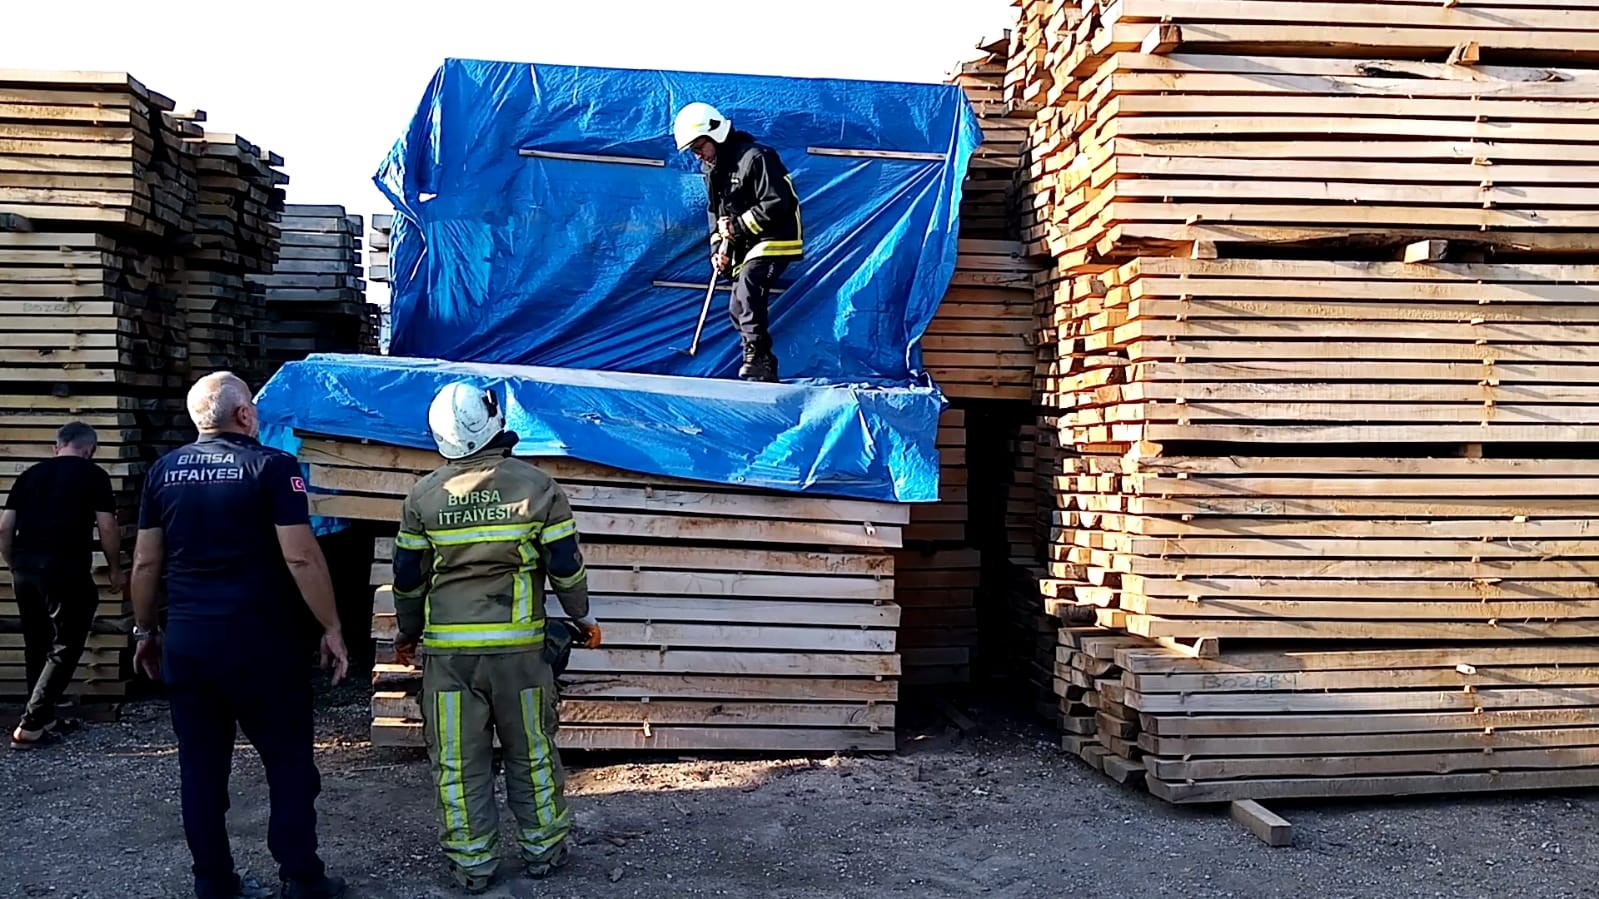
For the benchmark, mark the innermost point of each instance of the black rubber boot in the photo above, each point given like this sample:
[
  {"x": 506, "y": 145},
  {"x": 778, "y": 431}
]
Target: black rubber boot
[{"x": 759, "y": 365}]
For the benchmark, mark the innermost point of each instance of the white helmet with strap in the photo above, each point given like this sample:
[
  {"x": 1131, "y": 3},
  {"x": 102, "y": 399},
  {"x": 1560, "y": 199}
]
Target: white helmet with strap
[
  {"x": 697, "y": 120},
  {"x": 464, "y": 419}
]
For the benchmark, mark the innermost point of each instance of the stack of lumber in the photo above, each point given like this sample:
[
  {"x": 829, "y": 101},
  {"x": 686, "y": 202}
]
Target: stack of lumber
[
  {"x": 378, "y": 240},
  {"x": 94, "y": 151},
  {"x": 378, "y": 268},
  {"x": 241, "y": 198},
  {"x": 1027, "y": 77},
  {"x": 1297, "y": 720},
  {"x": 315, "y": 293},
  {"x": 1194, "y": 547},
  {"x": 938, "y": 572},
  {"x": 943, "y": 523},
  {"x": 96, "y": 186},
  {"x": 979, "y": 344},
  {"x": 734, "y": 619},
  {"x": 988, "y": 197},
  {"x": 1313, "y": 390},
  {"x": 1098, "y": 724},
  {"x": 936, "y": 590},
  {"x": 1218, "y": 145}
]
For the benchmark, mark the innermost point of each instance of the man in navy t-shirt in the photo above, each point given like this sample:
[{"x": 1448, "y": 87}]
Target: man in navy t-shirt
[{"x": 226, "y": 521}]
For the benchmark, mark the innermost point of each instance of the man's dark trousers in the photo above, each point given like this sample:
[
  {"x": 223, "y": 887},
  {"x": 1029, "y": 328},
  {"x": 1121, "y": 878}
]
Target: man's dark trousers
[
  {"x": 752, "y": 294},
  {"x": 270, "y": 700},
  {"x": 57, "y": 608}
]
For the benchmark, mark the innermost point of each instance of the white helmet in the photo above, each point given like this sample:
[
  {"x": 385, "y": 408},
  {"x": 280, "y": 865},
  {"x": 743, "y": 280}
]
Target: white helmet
[
  {"x": 698, "y": 120},
  {"x": 464, "y": 419}
]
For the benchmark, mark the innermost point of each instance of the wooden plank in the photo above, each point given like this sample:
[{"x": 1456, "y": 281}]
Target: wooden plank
[
  {"x": 693, "y": 685},
  {"x": 1299, "y": 629},
  {"x": 1488, "y": 675},
  {"x": 1152, "y": 660},
  {"x": 590, "y": 496},
  {"x": 725, "y": 611},
  {"x": 641, "y": 582},
  {"x": 1344, "y": 14},
  {"x": 393, "y": 732},
  {"x": 1350, "y": 766},
  {"x": 756, "y": 664},
  {"x": 1485, "y": 740},
  {"x": 638, "y": 525},
  {"x": 1359, "y": 701},
  {"x": 671, "y": 712},
  {"x": 1269, "y": 828},
  {"x": 715, "y": 558},
  {"x": 1316, "y": 787},
  {"x": 664, "y": 635},
  {"x": 1373, "y": 609}
]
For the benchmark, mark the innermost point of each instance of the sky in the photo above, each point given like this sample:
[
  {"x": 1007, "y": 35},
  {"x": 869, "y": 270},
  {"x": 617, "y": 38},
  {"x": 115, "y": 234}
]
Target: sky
[{"x": 330, "y": 85}]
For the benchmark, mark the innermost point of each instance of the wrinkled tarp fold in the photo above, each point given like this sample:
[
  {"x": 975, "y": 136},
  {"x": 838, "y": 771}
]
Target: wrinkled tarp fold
[{"x": 869, "y": 443}]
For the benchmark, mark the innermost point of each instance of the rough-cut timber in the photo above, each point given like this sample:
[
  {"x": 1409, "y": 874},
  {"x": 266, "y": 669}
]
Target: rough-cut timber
[
  {"x": 734, "y": 619},
  {"x": 1314, "y": 389}
]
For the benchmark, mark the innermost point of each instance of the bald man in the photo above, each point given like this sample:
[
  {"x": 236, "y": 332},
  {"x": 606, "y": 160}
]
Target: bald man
[{"x": 226, "y": 521}]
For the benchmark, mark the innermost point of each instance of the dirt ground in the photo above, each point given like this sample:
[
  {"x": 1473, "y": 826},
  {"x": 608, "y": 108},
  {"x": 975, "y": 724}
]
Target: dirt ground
[{"x": 998, "y": 813}]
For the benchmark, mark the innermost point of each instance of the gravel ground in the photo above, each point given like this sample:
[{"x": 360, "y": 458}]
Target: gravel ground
[{"x": 999, "y": 814}]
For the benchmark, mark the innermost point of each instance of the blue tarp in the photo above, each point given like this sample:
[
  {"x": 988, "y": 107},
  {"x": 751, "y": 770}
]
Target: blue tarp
[
  {"x": 503, "y": 258},
  {"x": 871, "y": 443}
]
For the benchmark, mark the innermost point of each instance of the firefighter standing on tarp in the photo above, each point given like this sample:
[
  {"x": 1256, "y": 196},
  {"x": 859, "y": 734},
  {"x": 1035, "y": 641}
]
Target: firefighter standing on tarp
[{"x": 755, "y": 223}]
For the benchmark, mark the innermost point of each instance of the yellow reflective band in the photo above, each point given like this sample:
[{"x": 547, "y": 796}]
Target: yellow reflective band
[
  {"x": 775, "y": 248},
  {"x": 493, "y": 533},
  {"x": 408, "y": 540},
  {"x": 535, "y": 842},
  {"x": 522, "y": 583},
  {"x": 558, "y": 531},
  {"x": 540, "y": 766},
  {"x": 567, "y": 583},
  {"x": 452, "y": 770},
  {"x": 483, "y": 636},
  {"x": 468, "y": 853},
  {"x": 748, "y": 219}
]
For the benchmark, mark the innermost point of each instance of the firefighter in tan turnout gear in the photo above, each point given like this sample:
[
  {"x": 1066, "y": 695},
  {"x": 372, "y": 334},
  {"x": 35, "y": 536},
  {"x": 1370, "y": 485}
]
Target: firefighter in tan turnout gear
[{"x": 478, "y": 538}]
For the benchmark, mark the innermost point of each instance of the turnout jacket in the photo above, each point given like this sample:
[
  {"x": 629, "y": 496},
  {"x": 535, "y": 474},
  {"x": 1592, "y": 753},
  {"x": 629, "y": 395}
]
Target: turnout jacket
[
  {"x": 750, "y": 185},
  {"x": 477, "y": 539}
]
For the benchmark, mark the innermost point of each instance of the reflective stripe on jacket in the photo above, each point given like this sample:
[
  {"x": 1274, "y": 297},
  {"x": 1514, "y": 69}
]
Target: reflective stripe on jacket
[
  {"x": 750, "y": 185},
  {"x": 483, "y": 526}
]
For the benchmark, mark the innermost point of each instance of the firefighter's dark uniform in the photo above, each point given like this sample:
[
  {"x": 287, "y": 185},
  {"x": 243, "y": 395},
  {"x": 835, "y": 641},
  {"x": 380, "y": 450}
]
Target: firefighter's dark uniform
[
  {"x": 477, "y": 539},
  {"x": 230, "y": 656},
  {"x": 749, "y": 184}
]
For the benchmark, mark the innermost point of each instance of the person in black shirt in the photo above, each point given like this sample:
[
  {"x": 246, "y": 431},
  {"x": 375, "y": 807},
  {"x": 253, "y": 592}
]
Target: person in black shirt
[
  {"x": 45, "y": 538},
  {"x": 226, "y": 521}
]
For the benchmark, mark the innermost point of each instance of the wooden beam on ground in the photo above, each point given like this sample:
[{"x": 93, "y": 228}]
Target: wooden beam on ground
[{"x": 1271, "y": 829}]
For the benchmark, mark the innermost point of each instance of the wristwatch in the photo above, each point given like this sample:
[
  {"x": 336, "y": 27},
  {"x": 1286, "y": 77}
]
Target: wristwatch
[{"x": 141, "y": 634}]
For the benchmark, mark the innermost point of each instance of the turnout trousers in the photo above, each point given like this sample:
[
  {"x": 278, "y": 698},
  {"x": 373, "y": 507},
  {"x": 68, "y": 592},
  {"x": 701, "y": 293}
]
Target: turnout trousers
[
  {"x": 752, "y": 296},
  {"x": 468, "y": 700},
  {"x": 57, "y": 610}
]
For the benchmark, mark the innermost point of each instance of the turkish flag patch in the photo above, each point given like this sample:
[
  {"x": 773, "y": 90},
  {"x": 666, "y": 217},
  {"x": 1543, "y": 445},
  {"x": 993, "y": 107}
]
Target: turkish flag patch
[{"x": 298, "y": 484}]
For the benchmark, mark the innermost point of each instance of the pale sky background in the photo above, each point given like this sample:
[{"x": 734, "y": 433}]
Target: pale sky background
[{"x": 330, "y": 85}]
